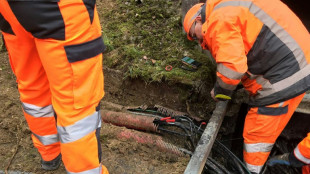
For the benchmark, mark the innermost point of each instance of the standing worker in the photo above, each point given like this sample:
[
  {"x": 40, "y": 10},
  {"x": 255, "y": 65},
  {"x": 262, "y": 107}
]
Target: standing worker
[
  {"x": 55, "y": 50},
  {"x": 265, "y": 46}
]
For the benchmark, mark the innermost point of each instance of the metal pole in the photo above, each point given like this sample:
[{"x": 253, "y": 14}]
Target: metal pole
[{"x": 202, "y": 151}]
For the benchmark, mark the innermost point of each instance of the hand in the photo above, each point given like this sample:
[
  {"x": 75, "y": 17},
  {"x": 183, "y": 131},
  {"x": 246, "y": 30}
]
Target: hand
[
  {"x": 279, "y": 160},
  {"x": 212, "y": 95}
]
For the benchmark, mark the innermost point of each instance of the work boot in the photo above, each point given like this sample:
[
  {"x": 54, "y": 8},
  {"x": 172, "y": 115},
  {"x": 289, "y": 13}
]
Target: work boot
[{"x": 51, "y": 165}]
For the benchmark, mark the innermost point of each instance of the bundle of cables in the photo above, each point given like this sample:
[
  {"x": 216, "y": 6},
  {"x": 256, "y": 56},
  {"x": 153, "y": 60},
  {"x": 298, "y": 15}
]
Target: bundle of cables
[
  {"x": 188, "y": 129},
  {"x": 191, "y": 129}
]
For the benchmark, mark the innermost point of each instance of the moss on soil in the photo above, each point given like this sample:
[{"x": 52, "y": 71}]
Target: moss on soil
[{"x": 133, "y": 29}]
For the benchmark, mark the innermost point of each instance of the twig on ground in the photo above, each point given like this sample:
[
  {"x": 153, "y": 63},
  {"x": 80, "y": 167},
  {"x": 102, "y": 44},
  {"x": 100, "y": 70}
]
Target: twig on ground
[
  {"x": 188, "y": 108},
  {"x": 7, "y": 142},
  {"x": 15, "y": 152}
]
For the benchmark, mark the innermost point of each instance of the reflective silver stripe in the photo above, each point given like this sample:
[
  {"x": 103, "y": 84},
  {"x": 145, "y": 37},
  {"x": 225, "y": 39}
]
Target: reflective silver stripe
[
  {"x": 281, "y": 104},
  {"x": 279, "y": 86},
  {"x": 253, "y": 168},
  {"x": 47, "y": 139},
  {"x": 99, "y": 125},
  {"x": 225, "y": 85},
  {"x": 36, "y": 111},
  {"x": 229, "y": 73},
  {"x": 292, "y": 79},
  {"x": 258, "y": 147},
  {"x": 264, "y": 82},
  {"x": 97, "y": 170},
  {"x": 274, "y": 27},
  {"x": 197, "y": 14},
  {"x": 79, "y": 129},
  {"x": 266, "y": 85},
  {"x": 300, "y": 156}
]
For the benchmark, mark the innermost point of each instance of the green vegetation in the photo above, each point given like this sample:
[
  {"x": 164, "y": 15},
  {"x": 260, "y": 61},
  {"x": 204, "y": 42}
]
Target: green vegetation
[
  {"x": 133, "y": 29},
  {"x": 2, "y": 46}
]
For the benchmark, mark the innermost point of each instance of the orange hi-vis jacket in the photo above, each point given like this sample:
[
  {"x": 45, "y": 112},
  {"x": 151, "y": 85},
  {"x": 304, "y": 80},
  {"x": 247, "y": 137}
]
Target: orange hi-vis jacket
[{"x": 260, "y": 43}]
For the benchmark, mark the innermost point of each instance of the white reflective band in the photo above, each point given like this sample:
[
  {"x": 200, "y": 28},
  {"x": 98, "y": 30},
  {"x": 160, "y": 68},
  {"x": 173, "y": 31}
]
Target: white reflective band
[
  {"x": 37, "y": 111},
  {"x": 292, "y": 79},
  {"x": 197, "y": 14},
  {"x": 229, "y": 73},
  {"x": 99, "y": 125},
  {"x": 279, "y": 86},
  {"x": 225, "y": 85},
  {"x": 299, "y": 156},
  {"x": 97, "y": 170},
  {"x": 258, "y": 147},
  {"x": 264, "y": 82},
  {"x": 267, "y": 86},
  {"x": 253, "y": 168},
  {"x": 273, "y": 26},
  {"x": 79, "y": 129},
  {"x": 281, "y": 104},
  {"x": 47, "y": 139}
]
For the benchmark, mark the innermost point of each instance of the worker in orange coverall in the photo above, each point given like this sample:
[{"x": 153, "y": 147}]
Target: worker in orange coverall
[
  {"x": 55, "y": 50},
  {"x": 263, "y": 45}
]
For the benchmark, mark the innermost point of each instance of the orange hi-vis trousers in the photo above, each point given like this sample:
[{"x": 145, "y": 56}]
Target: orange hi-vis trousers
[
  {"x": 55, "y": 50},
  {"x": 262, "y": 127},
  {"x": 302, "y": 153}
]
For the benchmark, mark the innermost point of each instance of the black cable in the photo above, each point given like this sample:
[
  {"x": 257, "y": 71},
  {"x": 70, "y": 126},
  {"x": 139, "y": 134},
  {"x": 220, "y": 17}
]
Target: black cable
[
  {"x": 172, "y": 132},
  {"x": 211, "y": 168},
  {"x": 238, "y": 164},
  {"x": 219, "y": 166},
  {"x": 191, "y": 130},
  {"x": 230, "y": 157},
  {"x": 178, "y": 125}
]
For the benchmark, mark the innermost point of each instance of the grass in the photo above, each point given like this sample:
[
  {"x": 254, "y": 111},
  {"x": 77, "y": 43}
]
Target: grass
[{"x": 133, "y": 29}]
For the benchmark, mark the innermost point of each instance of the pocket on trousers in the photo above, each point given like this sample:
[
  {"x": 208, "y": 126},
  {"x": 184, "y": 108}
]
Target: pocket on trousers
[
  {"x": 267, "y": 120},
  {"x": 86, "y": 64}
]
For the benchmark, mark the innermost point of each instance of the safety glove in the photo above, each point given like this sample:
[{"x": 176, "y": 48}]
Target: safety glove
[
  {"x": 279, "y": 159},
  {"x": 288, "y": 159}
]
